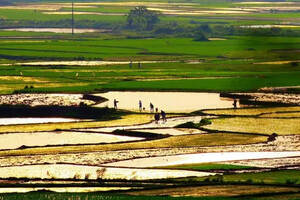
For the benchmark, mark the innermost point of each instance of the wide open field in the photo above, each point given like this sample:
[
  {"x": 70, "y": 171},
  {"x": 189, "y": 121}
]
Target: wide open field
[{"x": 116, "y": 49}]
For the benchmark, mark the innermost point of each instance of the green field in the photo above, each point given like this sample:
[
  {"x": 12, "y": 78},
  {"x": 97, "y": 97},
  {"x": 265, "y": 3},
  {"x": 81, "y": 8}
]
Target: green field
[
  {"x": 232, "y": 61},
  {"x": 97, "y": 196},
  {"x": 276, "y": 177},
  {"x": 257, "y": 48}
]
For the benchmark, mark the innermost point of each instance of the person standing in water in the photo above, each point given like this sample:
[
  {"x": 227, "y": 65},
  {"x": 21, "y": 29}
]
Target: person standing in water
[
  {"x": 234, "y": 104},
  {"x": 163, "y": 116},
  {"x": 156, "y": 117},
  {"x": 115, "y": 104},
  {"x": 151, "y": 107},
  {"x": 140, "y": 106}
]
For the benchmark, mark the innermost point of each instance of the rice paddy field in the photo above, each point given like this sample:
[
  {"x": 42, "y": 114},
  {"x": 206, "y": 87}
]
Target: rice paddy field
[{"x": 75, "y": 115}]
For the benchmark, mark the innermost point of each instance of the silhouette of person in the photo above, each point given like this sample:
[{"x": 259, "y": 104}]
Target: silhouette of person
[
  {"x": 234, "y": 103},
  {"x": 163, "y": 116},
  {"x": 116, "y": 104},
  {"x": 151, "y": 107},
  {"x": 140, "y": 105},
  {"x": 156, "y": 117}
]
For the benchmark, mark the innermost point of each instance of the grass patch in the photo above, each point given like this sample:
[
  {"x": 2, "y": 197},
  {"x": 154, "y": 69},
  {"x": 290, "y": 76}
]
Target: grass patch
[
  {"x": 282, "y": 115},
  {"x": 216, "y": 190},
  {"x": 289, "y": 177},
  {"x": 252, "y": 111},
  {"x": 256, "y": 125}
]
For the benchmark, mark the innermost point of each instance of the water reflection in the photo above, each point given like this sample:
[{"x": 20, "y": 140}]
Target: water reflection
[{"x": 167, "y": 101}]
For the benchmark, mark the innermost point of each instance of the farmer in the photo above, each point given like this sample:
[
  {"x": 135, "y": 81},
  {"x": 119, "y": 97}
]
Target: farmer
[
  {"x": 234, "y": 103},
  {"x": 151, "y": 107},
  {"x": 116, "y": 104},
  {"x": 163, "y": 116},
  {"x": 156, "y": 117},
  {"x": 140, "y": 105}
]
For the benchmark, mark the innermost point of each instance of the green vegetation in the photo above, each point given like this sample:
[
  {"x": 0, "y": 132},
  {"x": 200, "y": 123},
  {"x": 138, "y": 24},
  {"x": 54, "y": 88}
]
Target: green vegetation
[
  {"x": 265, "y": 111},
  {"x": 229, "y": 62},
  {"x": 140, "y": 18},
  {"x": 103, "y": 196},
  {"x": 256, "y": 125},
  {"x": 289, "y": 177},
  {"x": 237, "y": 191}
]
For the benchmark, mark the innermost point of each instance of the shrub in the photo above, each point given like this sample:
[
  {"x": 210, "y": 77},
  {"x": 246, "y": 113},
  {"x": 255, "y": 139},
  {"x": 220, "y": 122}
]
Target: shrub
[{"x": 204, "y": 122}]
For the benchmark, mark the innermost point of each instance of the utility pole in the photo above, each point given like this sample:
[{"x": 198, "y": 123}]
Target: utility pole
[{"x": 72, "y": 17}]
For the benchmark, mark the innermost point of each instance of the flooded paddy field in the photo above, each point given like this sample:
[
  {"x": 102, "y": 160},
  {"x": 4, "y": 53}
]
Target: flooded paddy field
[
  {"x": 14, "y": 121},
  {"x": 121, "y": 152},
  {"x": 55, "y": 30},
  {"x": 37, "y": 139},
  {"x": 167, "y": 101},
  {"x": 201, "y": 158},
  {"x": 208, "y": 145},
  {"x": 87, "y": 63},
  {"x": 78, "y": 172}
]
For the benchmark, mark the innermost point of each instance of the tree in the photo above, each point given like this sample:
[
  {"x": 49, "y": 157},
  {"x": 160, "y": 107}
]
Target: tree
[
  {"x": 200, "y": 36},
  {"x": 140, "y": 18}
]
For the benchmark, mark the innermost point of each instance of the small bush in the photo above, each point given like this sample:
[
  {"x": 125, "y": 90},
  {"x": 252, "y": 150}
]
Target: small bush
[
  {"x": 249, "y": 181},
  {"x": 294, "y": 64},
  {"x": 204, "y": 122},
  {"x": 291, "y": 181},
  {"x": 272, "y": 137}
]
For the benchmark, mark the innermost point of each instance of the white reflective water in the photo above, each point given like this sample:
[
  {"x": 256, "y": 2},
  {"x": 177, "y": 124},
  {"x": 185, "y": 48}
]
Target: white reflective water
[
  {"x": 54, "y": 30},
  {"x": 16, "y": 140},
  {"x": 167, "y": 101},
  {"x": 201, "y": 158},
  {"x": 34, "y": 120}
]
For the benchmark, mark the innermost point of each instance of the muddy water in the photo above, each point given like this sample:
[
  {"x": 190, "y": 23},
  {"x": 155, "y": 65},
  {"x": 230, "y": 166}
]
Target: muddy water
[
  {"x": 31, "y": 120},
  {"x": 54, "y": 30},
  {"x": 16, "y": 140},
  {"x": 167, "y": 101},
  {"x": 201, "y": 158}
]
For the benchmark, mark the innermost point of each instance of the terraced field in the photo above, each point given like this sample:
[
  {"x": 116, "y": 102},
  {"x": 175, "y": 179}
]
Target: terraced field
[{"x": 74, "y": 108}]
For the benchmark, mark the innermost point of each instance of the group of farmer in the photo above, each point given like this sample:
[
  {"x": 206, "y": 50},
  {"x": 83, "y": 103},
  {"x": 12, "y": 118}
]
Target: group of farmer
[{"x": 157, "y": 115}]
